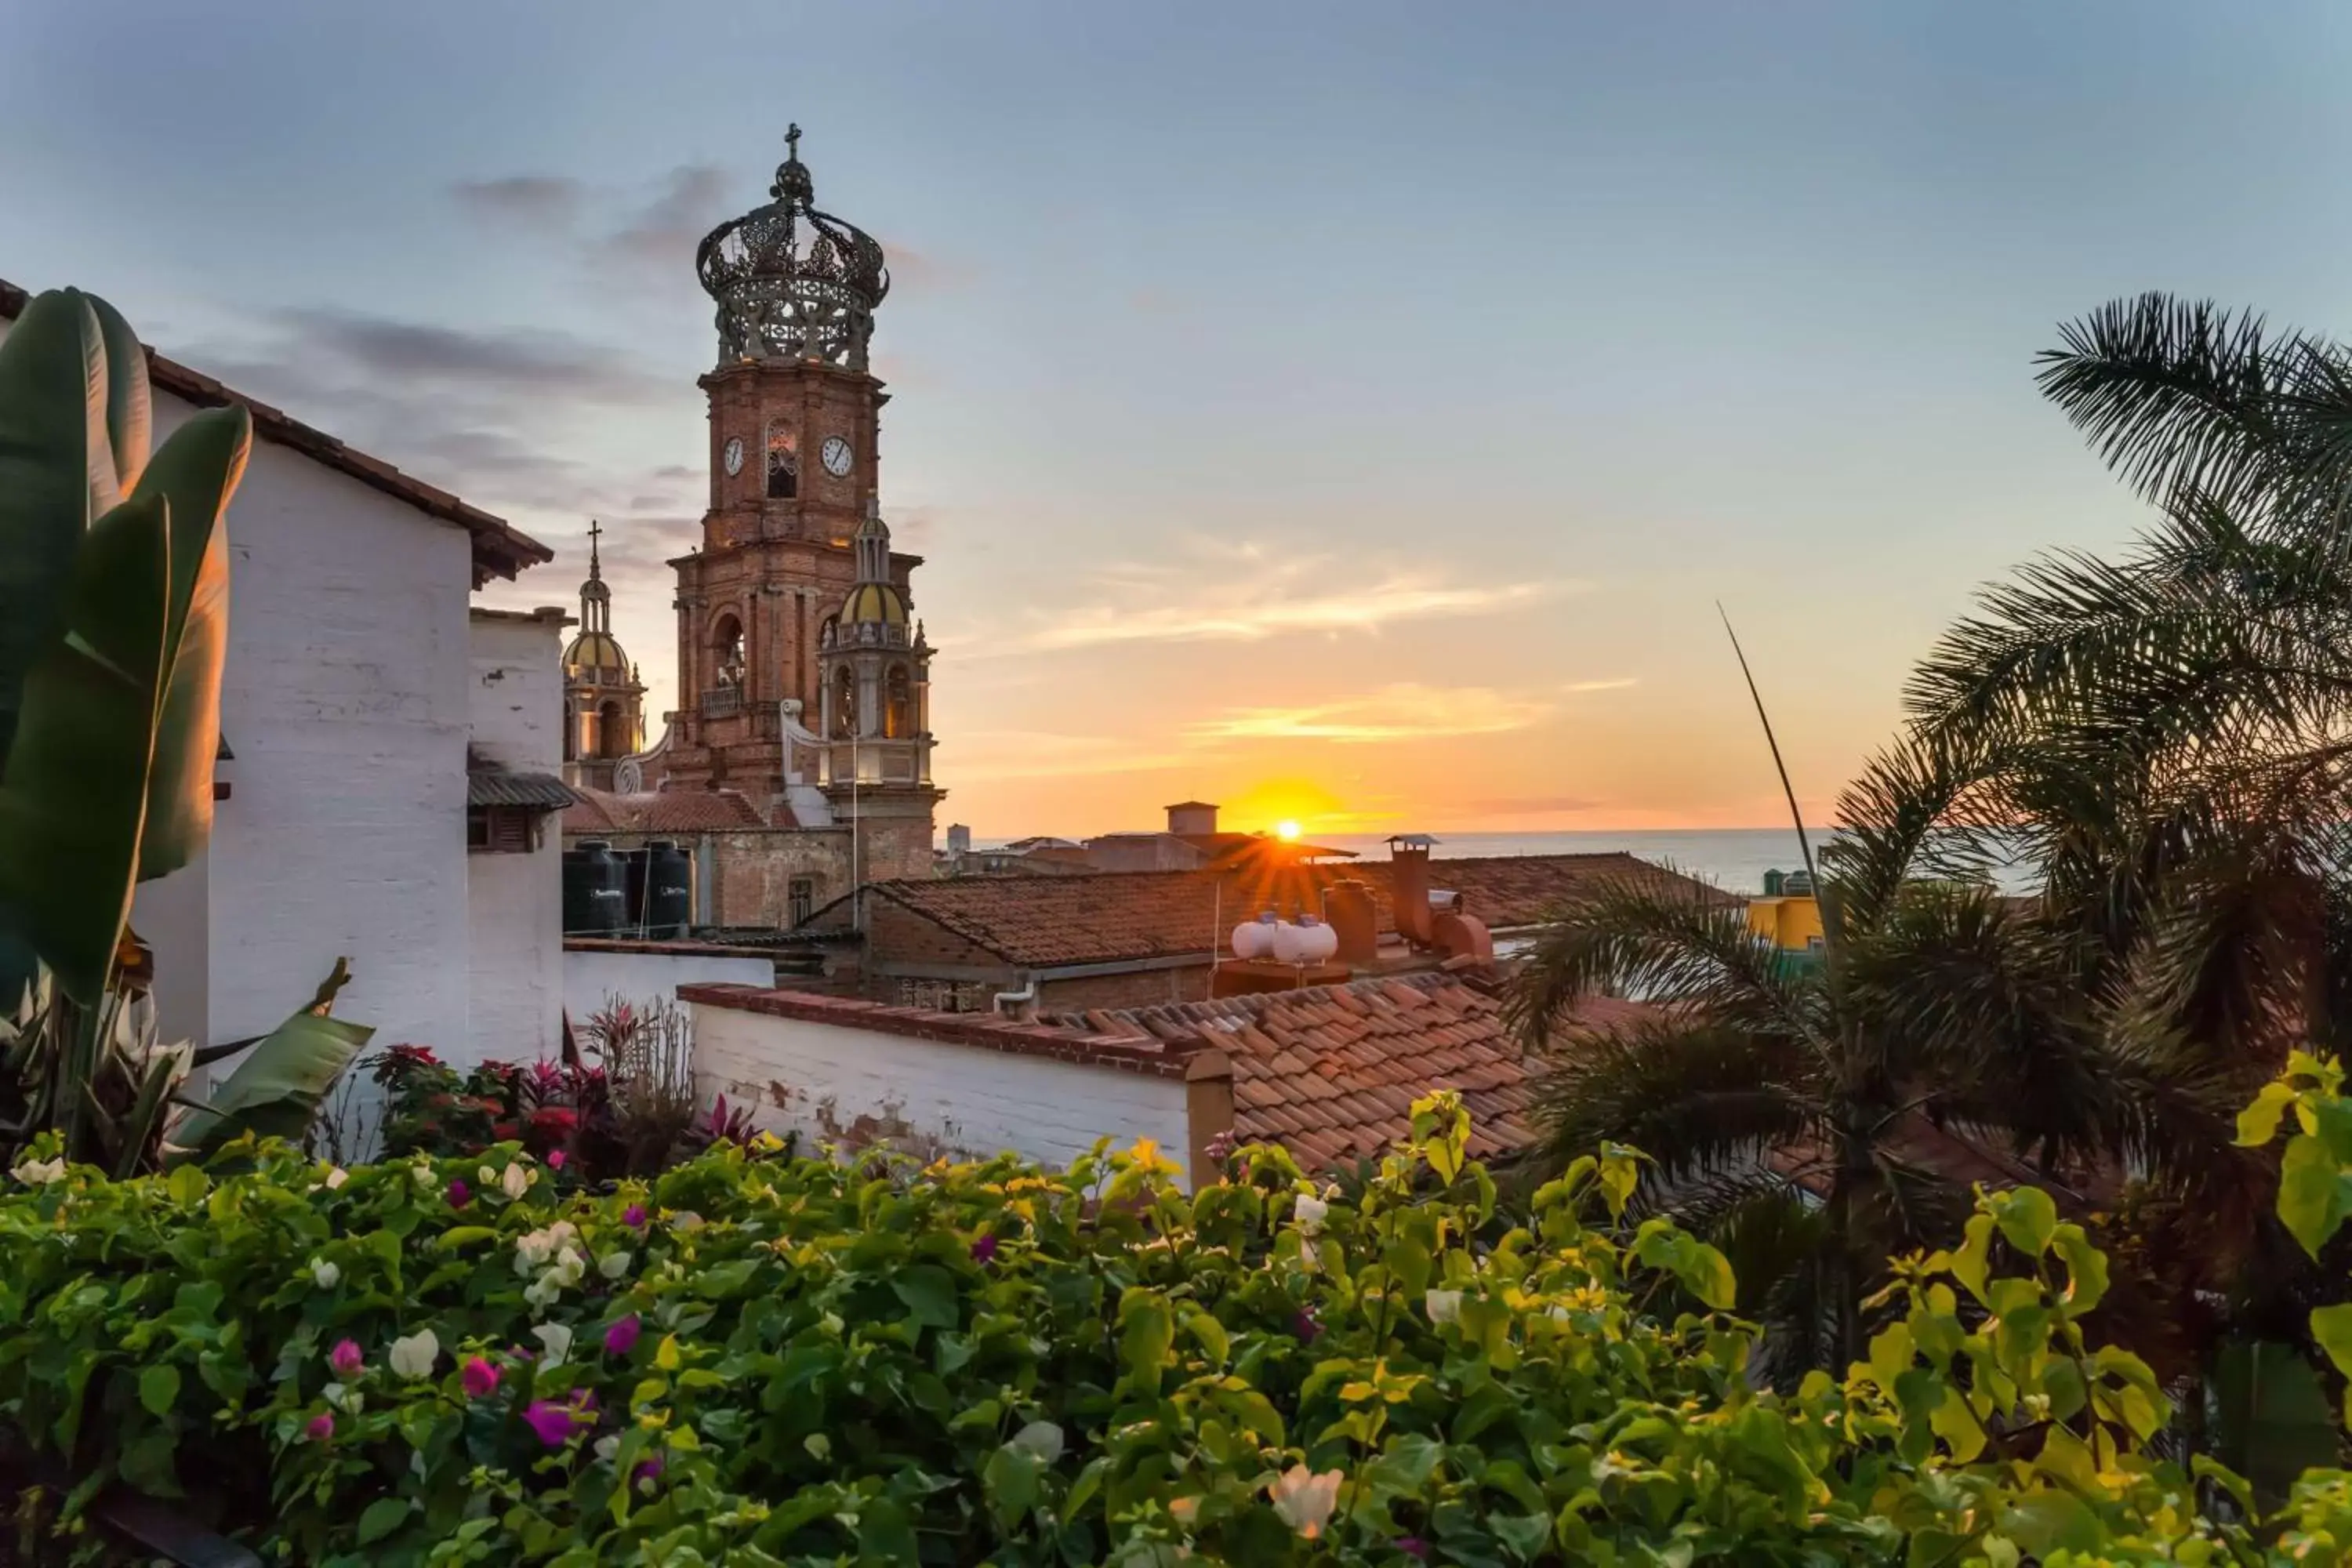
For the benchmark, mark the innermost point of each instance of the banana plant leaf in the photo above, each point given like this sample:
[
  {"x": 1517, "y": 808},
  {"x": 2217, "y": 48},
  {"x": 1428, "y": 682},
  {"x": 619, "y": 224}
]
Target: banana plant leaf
[
  {"x": 130, "y": 412},
  {"x": 197, "y": 471},
  {"x": 73, "y": 790},
  {"x": 275, "y": 1091}
]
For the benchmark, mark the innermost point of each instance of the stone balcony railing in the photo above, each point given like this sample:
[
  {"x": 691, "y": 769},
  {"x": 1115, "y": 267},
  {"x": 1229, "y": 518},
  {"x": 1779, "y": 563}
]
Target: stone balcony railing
[{"x": 720, "y": 702}]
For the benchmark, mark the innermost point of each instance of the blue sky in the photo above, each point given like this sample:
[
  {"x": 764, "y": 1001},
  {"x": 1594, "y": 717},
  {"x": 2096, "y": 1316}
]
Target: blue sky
[{"x": 1349, "y": 411}]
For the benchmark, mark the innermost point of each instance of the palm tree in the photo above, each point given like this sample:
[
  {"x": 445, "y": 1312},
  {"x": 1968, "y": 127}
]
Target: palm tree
[{"x": 1815, "y": 1120}]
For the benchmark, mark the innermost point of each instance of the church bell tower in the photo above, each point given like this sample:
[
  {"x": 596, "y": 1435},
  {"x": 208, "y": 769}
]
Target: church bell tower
[{"x": 791, "y": 538}]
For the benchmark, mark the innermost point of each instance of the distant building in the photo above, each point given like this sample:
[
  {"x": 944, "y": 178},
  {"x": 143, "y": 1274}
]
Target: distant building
[
  {"x": 603, "y": 700},
  {"x": 1788, "y": 915},
  {"x": 1192, "y": 841},
  {"x": 353, "y": 692}
]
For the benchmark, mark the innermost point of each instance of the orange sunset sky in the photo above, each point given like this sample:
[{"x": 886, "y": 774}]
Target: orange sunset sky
[{"x": 1345, "y": 413}]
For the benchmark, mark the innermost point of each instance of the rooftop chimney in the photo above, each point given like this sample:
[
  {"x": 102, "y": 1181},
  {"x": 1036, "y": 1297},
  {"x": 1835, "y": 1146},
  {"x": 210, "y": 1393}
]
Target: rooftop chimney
[
  {"x": 1190, "y": 817},
  {"x": 1409, "y": 886}
]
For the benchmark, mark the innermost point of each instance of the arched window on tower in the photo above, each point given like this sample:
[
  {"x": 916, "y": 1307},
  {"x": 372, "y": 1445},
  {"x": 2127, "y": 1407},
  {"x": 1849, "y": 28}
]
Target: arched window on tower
[
  {"x": 899, "y": 705},
  {"x": 844, "y": 703},
  {"x": 783, "y": 464},
  {"x": 612, "y": 731},
  {"x": 727, "y": 646}
]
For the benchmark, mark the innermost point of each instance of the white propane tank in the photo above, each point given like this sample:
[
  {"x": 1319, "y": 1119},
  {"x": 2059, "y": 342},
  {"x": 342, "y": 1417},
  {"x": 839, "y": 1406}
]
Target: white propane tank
[
  {"x": 1312, "y": 942},
  {"x": 1253, "y": 939}
]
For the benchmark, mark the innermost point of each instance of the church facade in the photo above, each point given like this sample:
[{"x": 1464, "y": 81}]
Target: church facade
[{"x": 803, "y": 674}]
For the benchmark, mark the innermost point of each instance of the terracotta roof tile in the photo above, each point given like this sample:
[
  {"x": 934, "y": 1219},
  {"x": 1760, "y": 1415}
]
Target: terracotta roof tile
[
  {"x": 1038, "y": 922},
  {"x": 663, "y": 812}
]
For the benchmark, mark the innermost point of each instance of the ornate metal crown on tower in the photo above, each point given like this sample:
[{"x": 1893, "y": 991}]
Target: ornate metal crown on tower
[{"x": 792, "y": 282}]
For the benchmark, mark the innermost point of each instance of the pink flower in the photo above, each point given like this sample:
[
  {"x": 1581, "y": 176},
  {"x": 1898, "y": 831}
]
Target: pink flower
[
  {"x": 1305, "y": 1324},
  {"x": 321, "y": 1427},
  {"x": 556, "y": 1424},
  {"x": 480, "y": 1378},
  {"x": 621, "y": 1337},
  {"x": 1413, "y": 1546},
  {"x": 459, "y": 1192},
  {"x": 984, "y": 1248},
  {"x": 647, "y": 1470},
  {"x": 345, "y": 1358},
  {"x": 634, "y": 1217},
  {"x": 555, "y": 1159}
]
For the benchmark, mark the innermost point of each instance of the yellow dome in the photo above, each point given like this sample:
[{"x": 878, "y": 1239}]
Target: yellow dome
[
  {"x": 876, "y": 602},
  {"x": 595, "y": 651}
]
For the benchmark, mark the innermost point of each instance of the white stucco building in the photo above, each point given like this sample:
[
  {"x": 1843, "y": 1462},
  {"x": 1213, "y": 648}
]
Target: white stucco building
[{"x": 356, "y": 682}]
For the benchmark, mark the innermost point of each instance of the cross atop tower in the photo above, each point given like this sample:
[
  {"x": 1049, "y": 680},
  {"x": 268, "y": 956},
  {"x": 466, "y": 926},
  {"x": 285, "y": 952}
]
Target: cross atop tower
[
  {"x": 792, "y": 142},
  {"x": 594, "y": 527}
]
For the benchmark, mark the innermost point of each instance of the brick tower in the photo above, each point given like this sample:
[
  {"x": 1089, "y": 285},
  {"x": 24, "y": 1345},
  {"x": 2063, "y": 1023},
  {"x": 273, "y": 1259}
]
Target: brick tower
[{"x": 791, "y": 537}]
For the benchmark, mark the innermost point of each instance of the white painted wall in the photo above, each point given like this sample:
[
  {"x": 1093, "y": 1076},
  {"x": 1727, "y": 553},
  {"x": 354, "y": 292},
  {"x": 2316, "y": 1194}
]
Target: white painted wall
[
  {"x": 975, "y": 1099},
  {"x": 592, "y": 979},
  {"x": 514, "y": 912}
]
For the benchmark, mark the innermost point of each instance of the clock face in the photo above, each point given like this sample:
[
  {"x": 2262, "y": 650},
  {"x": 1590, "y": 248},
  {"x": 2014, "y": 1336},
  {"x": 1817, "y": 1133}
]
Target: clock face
[
  {"x": 835, "y": 454},
  {"x": 734, "y": 454}
]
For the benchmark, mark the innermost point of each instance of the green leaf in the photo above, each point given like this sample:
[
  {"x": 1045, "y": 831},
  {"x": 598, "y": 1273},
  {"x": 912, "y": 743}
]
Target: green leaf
[
  {"x": 159, "y": 1388},
  {"x": 57, "y": 474},
  {"x": 1147, "y": 1332},
  {"x": 930, "y": 1293},
  {"x": 2311, "y": 1192},
  {"x": 73, "y": 795},
  {"x": 197, "y": 471},
  {"x": 2331, "y": 1327},
  {"x": 2086, "y": 1268},
  {"x": 2027, "y": 1217},
  {"x": 382, "y": 1517},
  {"x": 1010, "y": 1479},
  {"x": 2258, "y": 1123},
  {"x": 276, "y": 1089}
]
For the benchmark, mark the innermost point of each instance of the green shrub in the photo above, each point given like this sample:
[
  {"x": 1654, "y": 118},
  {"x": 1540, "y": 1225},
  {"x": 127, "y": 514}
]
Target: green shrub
[{"x": 759, "y": 1359}]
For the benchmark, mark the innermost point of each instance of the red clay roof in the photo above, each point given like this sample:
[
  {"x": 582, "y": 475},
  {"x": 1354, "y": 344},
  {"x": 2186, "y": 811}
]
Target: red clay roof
[
  {"x": 1331, "y": 1073},
  {"x": 663, "y": 811},
  {"x": 500, "y": 547},
  {"x": 1040, "y": 923}
]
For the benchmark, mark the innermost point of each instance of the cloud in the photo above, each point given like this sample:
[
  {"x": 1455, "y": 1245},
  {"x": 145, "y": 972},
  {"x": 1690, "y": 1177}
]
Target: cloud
[
  {"x": 532, "y": 201},
  {"x": 1032, "y": 753},
  {"x": 1619, "y": 684},
  {"x": 662, "y": 234},
  {"x": 1250, "y": 599},
  {"x": 1149, "y": 302},
  {"x": 506, "y": 361},
  {"x": 1401, "y": 712},
  {"x": 925, "y": 271}
]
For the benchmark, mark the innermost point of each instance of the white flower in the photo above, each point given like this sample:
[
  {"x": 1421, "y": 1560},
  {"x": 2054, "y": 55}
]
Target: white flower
[
  {"x": 608, "y": 1446},
  {"x": 1445, "y": 1306},
  {"x": 415, "y": 1356},
  {"x": 487, "y": 1175},
  {"x": 556, "y": 1339},
  {"x": 347, "y": 1400},
  {"x": 514, "y": 1181},
  {"x": 685, "y": 1219},
  {"x": 425, "y": 1177},
  {"x": 325, "y": 1273},
  {"x": 1309, "y": 1213},
  {"x": 533, "y": 1248},
  {"x": 612, "y": 1265},
  {"x": 1041, "y": 1440},
  {"x": 1304, "y": 1501},
  {"x": 336, "y": 1178},
  {"x": 39, "y": 1173}
]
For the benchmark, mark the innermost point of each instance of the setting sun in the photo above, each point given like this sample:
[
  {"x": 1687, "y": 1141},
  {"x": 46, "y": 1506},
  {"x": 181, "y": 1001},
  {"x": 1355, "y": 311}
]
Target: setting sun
[{"x": 1286, "y": 829}]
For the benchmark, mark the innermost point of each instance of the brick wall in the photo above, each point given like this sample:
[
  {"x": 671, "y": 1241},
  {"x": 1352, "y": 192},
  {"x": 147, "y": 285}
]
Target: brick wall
[{"x": 1144, "y": 988}]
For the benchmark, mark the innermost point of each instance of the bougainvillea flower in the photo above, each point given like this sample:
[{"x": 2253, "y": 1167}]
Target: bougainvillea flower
[
  {"x": 458, "y": 1192},
  {"x": 984, "y": 1248},
  {"x": 553, "y": 1422},
  {"x": 634, "y": 1217},
  {"x": 320, "y": 1428},
  {"x": 621, "y": 1337},
  {"x": 1304, "y": 1499},
  {"x": 555, "y": 1158},
  {"x": 413, "y": 1355},
  {"x": 480, "y": 1378},
  {"x": 345, "y": 1358},
  {"x": 1306, "y": 1325}
]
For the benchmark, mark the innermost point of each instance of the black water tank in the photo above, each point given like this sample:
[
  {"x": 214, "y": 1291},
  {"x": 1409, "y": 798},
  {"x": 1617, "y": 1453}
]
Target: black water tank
[
  {"x": 594, "y": 903},
  {"x": 665, "y": 897}
]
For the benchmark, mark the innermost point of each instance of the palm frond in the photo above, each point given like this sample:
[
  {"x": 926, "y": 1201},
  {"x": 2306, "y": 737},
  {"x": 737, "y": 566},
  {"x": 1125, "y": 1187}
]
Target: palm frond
[
  {"x": 1699, "y": 1098},
  {"x": 1682, "y": 944},
  {"x": 1905, "y": 817}
]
